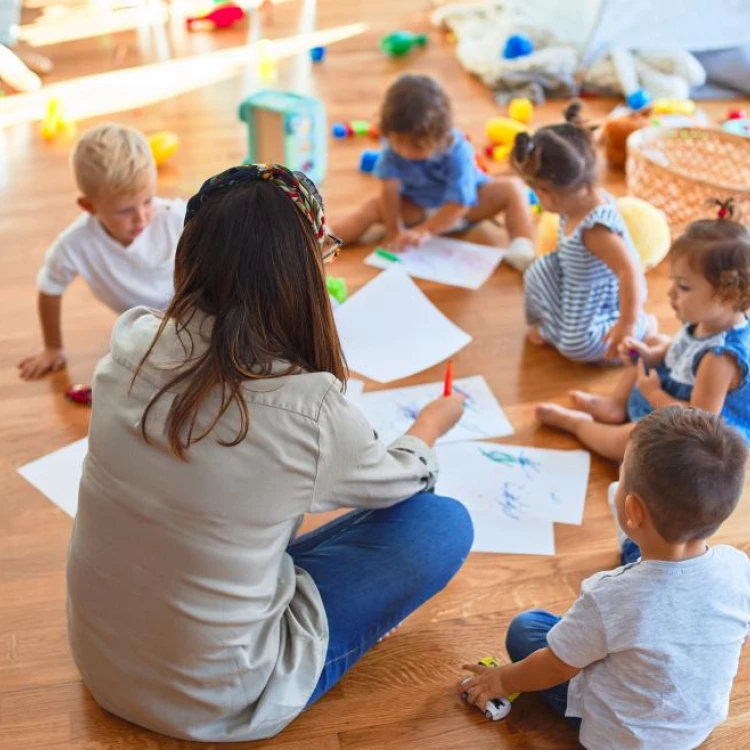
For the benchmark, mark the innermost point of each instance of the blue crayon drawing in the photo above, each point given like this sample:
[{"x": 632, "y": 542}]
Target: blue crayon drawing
[
  {"x": 529, "y": 466},
  {"x": 511, "y": 500}
]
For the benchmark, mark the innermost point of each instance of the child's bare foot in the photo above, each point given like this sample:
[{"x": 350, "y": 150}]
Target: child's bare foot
[
  {"x": 603, "y": 409},
  {"x": 561, "y": 418},
  {"x": 534, "y": 337}
]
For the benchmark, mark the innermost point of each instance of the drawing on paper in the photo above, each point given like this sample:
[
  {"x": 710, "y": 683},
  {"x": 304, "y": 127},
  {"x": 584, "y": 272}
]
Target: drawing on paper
[
  {"x": 392, "y": 412},
  {"x": 529, "y": 466}
]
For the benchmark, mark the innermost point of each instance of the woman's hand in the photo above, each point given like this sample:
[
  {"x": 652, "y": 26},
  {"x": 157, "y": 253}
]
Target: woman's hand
[
  {"x": 437, "y": 418},
  {"x": 484, "y": 686}
]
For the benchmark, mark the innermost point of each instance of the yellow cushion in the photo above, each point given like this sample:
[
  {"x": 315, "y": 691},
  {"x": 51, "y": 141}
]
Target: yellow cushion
[{"x": 647, "y": 225}]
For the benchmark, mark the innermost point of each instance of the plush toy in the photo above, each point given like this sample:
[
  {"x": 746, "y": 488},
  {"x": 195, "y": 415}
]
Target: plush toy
[
  {"x": 647, "y": 225},
  {"x": 616, "y": 131}
]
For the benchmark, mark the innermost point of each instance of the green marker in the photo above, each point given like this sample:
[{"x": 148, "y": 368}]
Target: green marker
[{"x": 388, "y": 256}]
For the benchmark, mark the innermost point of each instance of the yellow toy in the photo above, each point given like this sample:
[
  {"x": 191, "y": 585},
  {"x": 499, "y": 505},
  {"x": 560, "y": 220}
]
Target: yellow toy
[
  {"x": 647, "y": 225},
  {"x": 163, "y": 145},
  {"x": 502, "y": 131},
  {"x": 56, "y": 122},
  {"x": 673, "y": 107},
  {"x": 521, "y": 110},
  {"x": 501, "y": 153}
]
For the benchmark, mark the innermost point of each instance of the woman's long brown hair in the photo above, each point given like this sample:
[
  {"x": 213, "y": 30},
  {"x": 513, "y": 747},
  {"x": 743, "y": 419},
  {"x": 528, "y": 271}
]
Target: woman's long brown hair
[{"x": 250, "y": 261}]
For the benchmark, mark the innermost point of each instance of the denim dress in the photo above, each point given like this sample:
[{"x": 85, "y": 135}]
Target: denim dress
[{"x": 677, "y": 373}]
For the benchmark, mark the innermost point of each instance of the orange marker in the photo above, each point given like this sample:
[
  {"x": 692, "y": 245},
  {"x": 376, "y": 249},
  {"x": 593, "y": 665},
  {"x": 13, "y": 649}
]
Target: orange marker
[{"x": 448, "y": 387}]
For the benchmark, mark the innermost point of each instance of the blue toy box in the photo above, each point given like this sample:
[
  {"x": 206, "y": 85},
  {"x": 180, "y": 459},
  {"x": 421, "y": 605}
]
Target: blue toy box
[{"x": 286, "y": 128}]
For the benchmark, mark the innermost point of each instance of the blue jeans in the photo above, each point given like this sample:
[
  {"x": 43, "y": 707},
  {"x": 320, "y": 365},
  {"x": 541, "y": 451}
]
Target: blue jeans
[
  {"x": 374, "y": 567},
  {"x": 528, "y": 633}
]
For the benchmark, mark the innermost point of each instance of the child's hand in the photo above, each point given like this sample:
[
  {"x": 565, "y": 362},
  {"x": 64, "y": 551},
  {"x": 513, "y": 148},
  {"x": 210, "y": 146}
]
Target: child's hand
[
  {"x": 48, "y": 360},
  {"x": 413, "y": 237},
  {"x": 616, "y": 335},
  {"x": 437, "y": 418},
  {"x": 648, "y": 383},
  {"x": 487, "y": 684}
]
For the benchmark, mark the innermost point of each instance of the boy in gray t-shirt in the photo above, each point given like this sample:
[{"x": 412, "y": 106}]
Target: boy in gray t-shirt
[{"x": 646, "y": 656}]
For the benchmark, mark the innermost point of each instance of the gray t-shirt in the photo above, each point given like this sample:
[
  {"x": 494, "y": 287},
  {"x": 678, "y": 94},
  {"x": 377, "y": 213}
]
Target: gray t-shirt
[{"x": 659, "y": 645}]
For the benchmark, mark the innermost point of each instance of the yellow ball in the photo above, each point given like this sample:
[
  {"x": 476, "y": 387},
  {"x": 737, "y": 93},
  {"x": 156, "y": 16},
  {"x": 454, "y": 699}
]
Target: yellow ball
[
  {"x": 521, "y": 110},
  {"x": 163, "y": 145},
  {"x": 647, "y": 225},
  {"x": 502, "y": 131}
]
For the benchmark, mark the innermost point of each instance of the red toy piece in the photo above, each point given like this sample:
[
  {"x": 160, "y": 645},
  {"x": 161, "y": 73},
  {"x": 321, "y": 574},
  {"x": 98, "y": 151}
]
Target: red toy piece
[
  {"x": 736, "y": 114},
  {"x": 221, "y": 17},
  {"x": 79, "y": 394}
]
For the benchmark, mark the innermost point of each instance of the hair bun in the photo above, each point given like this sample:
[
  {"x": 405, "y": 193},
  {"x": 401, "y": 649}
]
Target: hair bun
[
  {"x": 523, "y": 147},
  {"x": 572, "y": 114},
  {"x": 726, "y": 209}
]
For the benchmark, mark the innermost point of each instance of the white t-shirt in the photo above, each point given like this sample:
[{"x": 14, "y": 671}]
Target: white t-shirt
[
  {"x": 120, "y": 277},
  {"x": 659, "y": 644}
]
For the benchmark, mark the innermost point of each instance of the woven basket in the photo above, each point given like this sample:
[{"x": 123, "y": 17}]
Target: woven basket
[{"x": 680, "y": 170}]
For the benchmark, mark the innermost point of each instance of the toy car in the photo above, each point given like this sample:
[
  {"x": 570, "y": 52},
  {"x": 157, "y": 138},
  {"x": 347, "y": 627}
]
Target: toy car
[
  {"x": 79, "y": 394},
  {"x": 495, "y": 708}
]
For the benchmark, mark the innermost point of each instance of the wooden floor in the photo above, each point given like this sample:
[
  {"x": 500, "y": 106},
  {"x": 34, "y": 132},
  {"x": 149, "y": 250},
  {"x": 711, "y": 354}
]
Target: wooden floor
[{"x": 401, "y": 695}]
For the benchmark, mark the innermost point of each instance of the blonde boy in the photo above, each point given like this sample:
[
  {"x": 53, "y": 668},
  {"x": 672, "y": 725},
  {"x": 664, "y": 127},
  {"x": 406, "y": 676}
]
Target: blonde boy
[{"x": 123, "y": 244}]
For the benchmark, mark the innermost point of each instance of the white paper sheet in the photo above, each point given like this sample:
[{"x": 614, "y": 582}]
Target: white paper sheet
[
  {"x": 58, "y": 474},
  {"x": 392, "y": 412},
  {"x": 446, "y": 261},
  {"x": 513, "y": 491},
  {"x": 389, "y": 330}
]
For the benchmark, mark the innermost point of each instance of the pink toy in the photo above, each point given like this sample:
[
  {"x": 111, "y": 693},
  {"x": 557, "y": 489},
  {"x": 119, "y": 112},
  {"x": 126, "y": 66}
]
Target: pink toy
[{"x": 221, "y": 17}]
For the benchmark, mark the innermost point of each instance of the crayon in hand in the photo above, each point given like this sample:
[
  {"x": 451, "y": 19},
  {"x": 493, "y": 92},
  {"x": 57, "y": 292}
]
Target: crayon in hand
[{"x": 448, "y": 385}]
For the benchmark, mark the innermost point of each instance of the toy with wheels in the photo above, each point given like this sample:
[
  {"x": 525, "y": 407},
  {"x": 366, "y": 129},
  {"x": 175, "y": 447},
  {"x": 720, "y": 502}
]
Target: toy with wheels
[
  {"x": 286, "y": 128},
  {"x": 647, "y": 225},
  {"x": 495, "y": 708}
]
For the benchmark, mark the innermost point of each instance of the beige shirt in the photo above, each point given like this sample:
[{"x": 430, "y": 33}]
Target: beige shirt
[{"x": 186, "y": 614}]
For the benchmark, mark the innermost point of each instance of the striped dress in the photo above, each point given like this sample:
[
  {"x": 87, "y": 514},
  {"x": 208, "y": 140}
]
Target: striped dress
[{"x": 573, "y": 296}]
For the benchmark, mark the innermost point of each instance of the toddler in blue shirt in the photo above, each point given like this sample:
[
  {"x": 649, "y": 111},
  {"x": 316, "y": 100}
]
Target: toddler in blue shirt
[{"x": 430, "y": 181}]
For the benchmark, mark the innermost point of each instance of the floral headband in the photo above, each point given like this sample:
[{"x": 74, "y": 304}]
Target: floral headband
[{"x": 299, "y": 188}]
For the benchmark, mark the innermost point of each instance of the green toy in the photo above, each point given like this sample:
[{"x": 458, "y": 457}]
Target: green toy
[
  {"x": 401, "y": 43},
  {"x": 337, "y": 288}
]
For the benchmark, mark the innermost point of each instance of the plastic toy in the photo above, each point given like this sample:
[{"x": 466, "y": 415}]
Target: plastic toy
[
  {"x": 638, "y": 99},
  {"x": 163, "y": 145},
  {"x": 354, "y": 127},
  {"x": 337, "y": 288},
  {"x": 286, "y": 128},
  {"x": 673, "y": 107},
  {"x": 737, "y": 127},
  {"x": 266, "y": 61},
  {"x": 521, "y": 109},
  {"x": 502, "y": 131},
  {"x": 495, "y": 708},
  {"x": 615, "y": 134},
  {"x": 401, "y": 43},
  {"x": 56, "y": 122},
  {"x": 79, "y": 394},
  {"x": 368, "y": 160},
  {"x": 736, "y": 114},
  {"x": 517, "y": 45},
  {"x": 536, "y": 206},
  {"x": 317, "y": 54},
  {"x": 647, "y": 225},
  {"x": 221, "y": 17}
]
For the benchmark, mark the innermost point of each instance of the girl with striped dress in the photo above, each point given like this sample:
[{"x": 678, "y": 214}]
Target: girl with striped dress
[{"x": 587, "y": 296}]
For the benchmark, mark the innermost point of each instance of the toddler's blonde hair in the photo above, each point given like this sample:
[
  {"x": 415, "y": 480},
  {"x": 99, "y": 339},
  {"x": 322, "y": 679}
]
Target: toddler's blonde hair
[{"x": 111, "y": 157}]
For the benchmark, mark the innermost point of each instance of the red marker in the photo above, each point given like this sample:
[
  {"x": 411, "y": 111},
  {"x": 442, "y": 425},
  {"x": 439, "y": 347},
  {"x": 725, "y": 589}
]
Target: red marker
[{"x": 448, "y": 387}]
